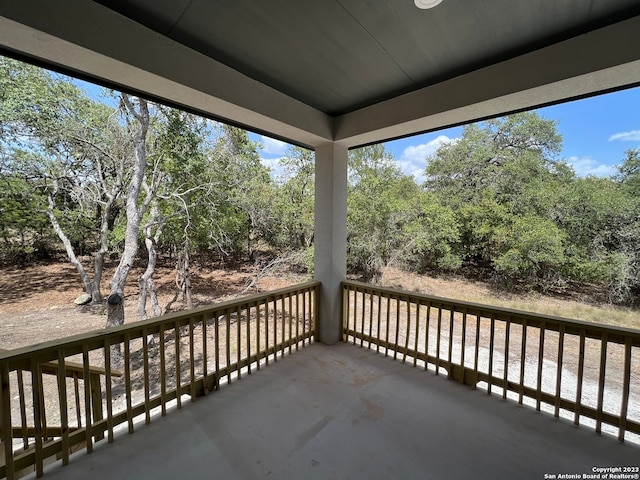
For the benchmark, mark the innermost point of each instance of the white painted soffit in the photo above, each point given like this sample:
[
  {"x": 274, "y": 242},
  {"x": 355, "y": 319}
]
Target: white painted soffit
[
  {"x": 100, "y": 43},
  {"x": 605, "y": 59}
]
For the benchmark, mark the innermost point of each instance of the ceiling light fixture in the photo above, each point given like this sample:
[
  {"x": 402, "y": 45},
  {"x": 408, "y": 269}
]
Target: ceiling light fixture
[{"x": 424, "y": 4}]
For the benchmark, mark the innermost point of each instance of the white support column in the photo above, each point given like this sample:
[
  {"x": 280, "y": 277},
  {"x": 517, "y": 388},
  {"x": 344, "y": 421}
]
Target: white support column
[{"x": 330, "y": 237}]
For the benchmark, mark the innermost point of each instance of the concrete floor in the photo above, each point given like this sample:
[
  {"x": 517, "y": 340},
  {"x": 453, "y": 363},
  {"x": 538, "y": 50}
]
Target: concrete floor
[{"x": 343, "y": 412}]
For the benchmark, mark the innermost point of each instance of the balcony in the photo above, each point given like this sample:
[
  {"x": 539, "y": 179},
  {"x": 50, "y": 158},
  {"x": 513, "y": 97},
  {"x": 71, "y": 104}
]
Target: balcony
[{"x": 419, "y": 386}]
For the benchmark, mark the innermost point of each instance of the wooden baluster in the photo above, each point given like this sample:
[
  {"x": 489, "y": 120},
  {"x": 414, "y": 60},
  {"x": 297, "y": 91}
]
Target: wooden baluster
[
  {"x": 361, "y": 331},
  {"x": 192, "y": 361},
  {"x": 36, "y": 390},
  {"x": 417, "y": 334},
  {"x": 438, "y": 336},
  {"x": 43, "y": 410},
  {"x": 407, "y": 330},
  {"x": 540, "y": 366},
  {"x": 108, "y": 387},
  {"x": 266, "y": 330},
  {"x": 426, "y": 336},
  {"x": 258, "y": 327},
  {"x": 386, "y": 350},
  {"x": 127, "y": 380},
  {"x": 395, "y": 343},
  {"x": 304, "y": 317},
  {"x": 450, "y": 346},
  {"x": 559, "y": 371},
  {"x": 507, "y": 341},
  {"x": 228, "y": 342},
  {"x": 238, "y": 340},
  {"x": 626, "y": 384},
  {"x": 476, "y": 356},
  {"x": 248, "y": 335},
  {"x": 216, "y": 332},
  {"x": 523, "y": 360},
  {"x": 378, "y": 323},
  {"x": 178, "y": 364},
  {"x": 86, "y": 375},
  {"x": 463, "y": 344},
  {"x": 298, "y": 317},
  {"x": 371, "y": 318},
  {"x": 290, "y": 322},
  {"x": 7, "y": 430},
  {"x": 576, "y": 418},
  {"x": 284, "y": 322},
  {"x": 601, "y": 381},
  {"x": 23, "y": 409},
  {"x": 145, "y": 372},
  {"x": 275, "y": 330},
  {"x": 492, "y": 338},
  {"x": 76, "y": 391},
  {"x": 204, "y": 319}
]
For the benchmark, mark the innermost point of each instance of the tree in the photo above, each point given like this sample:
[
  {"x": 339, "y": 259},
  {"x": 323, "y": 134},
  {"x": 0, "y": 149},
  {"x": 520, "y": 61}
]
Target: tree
[
  {"x": 505, "y": 155},
  {"x": 531, "y": 251},
  {"x": 245, "y": 190},
  {"x": 526, "y": 219},
  {"x": 66, "y": 150},
  {"x": 379, "y": 198},
  {"x": 501, "y": 178},
  {"x": 429, "y": 235},
  {"x": 293, "y": 201},
  {"x": 137, "y": 115},
  {"x": 629, "y": 172}
]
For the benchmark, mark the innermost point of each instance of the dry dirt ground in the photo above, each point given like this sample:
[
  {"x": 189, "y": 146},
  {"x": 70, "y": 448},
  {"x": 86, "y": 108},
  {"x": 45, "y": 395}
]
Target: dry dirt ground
[{"x": 36, "y": 301}]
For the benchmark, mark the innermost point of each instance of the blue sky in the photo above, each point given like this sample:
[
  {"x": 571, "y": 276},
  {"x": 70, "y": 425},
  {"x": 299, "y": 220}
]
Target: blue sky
[{"x": 596, "y": 133}]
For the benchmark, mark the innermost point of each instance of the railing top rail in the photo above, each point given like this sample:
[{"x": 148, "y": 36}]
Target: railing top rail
[
  {"x": 616, "y": 334},
  {"x": 45, "y": 350}
]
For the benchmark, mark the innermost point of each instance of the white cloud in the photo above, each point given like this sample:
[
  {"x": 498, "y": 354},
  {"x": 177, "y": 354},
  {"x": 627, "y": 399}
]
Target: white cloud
[
  {"x": 584, "y": 166},
  {"x": 270, "y": 163},
  {"x": 413, "y": 160},
  {"x": 273, "y": 146},
  {"x": 632, "y": 136}
]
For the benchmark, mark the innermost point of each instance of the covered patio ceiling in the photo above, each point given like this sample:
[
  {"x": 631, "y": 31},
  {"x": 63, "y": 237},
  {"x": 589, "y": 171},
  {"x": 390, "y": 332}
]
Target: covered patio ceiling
[{"x": 347, "y": 71}]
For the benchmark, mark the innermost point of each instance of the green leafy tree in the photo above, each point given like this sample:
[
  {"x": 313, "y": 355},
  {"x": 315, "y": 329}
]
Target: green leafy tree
[
  {"x": 247, "y": 188},
  {"x": 504, "y": 155},
  {"x": 501, "y": 179},
  {"x": 430, "y": 235},
  {"x": 531, "y": 250},
  {"x": 69, "y": 153},
  {"x": 293, "y": 204},
  {"x": 377, "y": 193},
  {"x": 629, "y": 172}
]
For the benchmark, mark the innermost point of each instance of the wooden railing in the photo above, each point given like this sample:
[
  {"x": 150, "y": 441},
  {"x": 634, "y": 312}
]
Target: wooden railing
[
  {"x": 587, "y": 372},
  {"x": 46, "y": 416},
  {"x": 74, "y": 371}
]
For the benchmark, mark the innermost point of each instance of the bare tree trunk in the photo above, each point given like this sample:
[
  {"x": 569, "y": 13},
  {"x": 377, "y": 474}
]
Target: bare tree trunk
[
  {"x": 98, "y": 259},
  {"x": 88, "y": 286},
  {"x": 147, "y": 286},
  {"x": 115, "y": 317},
  {"x": 134, "y": 211},
  {"x": 186, "y": 274}
]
